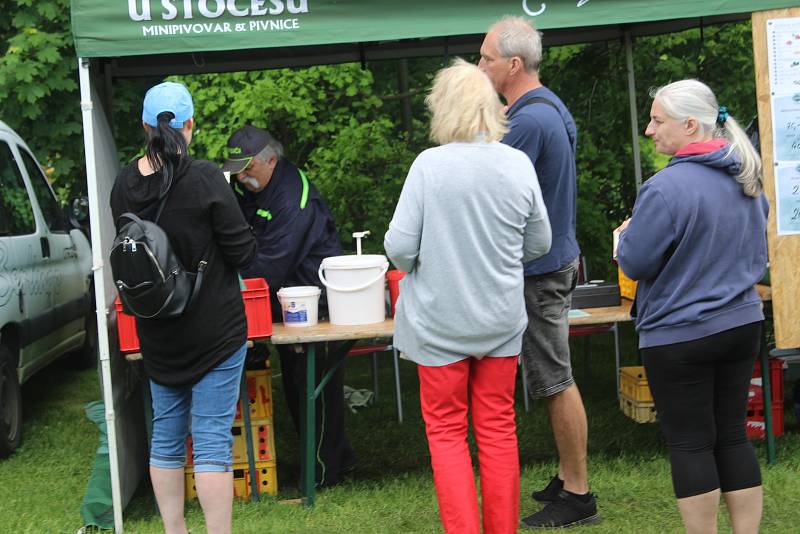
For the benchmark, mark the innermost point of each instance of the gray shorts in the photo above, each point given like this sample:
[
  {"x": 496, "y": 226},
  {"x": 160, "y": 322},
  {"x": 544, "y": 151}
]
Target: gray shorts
[{"x": 545, "y": 343}]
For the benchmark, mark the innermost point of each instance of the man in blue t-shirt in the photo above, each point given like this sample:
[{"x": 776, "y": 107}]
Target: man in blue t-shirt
[{"x": 542, "y": 127}]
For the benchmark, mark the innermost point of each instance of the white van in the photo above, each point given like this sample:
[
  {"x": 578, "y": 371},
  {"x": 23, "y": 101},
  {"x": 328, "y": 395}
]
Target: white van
[{"x": 46, "y": 305}]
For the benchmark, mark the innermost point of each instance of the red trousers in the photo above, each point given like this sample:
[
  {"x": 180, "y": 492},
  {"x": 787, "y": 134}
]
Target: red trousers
[{"x": 444, "y": 393}]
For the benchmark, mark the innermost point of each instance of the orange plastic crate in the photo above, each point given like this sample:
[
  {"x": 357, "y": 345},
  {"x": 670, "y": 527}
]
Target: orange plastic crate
[
  {"x": 126, "y": 329},
  {"x": 256, "y": 308}
]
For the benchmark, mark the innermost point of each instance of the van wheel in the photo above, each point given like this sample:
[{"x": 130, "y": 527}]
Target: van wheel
[
  {"x": 86, "y": 356},
  {"x": 10, "y": 404}
]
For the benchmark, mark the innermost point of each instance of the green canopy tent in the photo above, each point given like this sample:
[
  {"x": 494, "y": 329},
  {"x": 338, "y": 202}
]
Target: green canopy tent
[{"x": 152, "y": 37}]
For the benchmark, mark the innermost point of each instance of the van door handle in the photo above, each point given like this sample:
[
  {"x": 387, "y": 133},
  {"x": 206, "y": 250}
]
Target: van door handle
[{"x": 45, "y": 247}]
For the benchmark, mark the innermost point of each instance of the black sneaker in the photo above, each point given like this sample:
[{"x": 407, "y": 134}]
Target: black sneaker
[
  {"x": 566, "y": 511},
  {"x": 550, "y": 492}
]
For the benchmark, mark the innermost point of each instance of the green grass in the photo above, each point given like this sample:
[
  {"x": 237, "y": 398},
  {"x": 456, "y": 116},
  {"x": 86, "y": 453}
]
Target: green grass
[{"x": 42, "y": 485}]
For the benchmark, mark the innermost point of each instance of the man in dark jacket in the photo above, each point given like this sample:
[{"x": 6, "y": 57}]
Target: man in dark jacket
[{"x": 295, "y": 232}]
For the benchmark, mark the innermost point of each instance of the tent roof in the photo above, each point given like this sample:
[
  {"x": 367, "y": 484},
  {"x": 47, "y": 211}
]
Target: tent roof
[{"x": 192, "y": 36}]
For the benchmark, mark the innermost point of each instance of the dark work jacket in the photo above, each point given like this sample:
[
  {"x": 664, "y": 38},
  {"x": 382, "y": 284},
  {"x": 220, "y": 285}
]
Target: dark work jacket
[
  {"x": 294, "y": 229},
  {"x": 200, "y": 217}
]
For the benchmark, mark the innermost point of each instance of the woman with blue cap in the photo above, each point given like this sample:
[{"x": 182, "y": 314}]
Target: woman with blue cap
[{"x": 194, "y": 362}]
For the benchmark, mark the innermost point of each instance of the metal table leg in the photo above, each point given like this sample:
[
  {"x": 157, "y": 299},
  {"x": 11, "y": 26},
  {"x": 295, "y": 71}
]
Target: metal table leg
[
  {"x": 309, "y": 417},
  {"x": 255, "y": 495},
  {"x": 767, "y": 389},
  {"x": 616, "y": 355},
  {"x": 397, "y": 385}
]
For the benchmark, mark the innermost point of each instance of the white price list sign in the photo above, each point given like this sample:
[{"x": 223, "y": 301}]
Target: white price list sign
[{"x": 783, "y": 41}]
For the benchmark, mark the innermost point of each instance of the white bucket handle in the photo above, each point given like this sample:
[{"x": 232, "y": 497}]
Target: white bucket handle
[{"x": 352, "y": 289}]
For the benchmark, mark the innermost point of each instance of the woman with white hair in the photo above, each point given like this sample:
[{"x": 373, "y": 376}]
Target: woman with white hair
[
  {"x": 470, "y": 213},
  {"x": 697, "y": 245}
]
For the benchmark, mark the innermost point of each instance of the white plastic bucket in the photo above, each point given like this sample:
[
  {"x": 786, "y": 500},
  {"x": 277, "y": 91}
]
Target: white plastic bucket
[
  {"x": 299, "y": 305},
  {"x": 355, "y": 288}
]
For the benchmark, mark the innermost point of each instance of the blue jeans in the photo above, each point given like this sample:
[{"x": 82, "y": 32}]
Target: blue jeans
[{"x": 212, "y": 404}]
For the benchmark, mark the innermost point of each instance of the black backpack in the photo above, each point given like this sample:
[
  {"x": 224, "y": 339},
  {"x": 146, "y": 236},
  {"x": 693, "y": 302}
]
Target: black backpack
[{"x": 151, "y": 280}]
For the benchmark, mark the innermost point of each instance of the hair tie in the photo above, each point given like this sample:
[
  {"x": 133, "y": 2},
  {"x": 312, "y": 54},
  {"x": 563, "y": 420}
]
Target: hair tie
[{"x": 722, "y": 115}]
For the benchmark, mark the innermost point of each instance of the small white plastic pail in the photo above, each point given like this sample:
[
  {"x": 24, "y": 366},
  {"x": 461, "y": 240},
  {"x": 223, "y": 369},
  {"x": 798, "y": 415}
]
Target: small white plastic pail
[
  {"x": 299, "y": 305},
  {"x": 355, "y": 288}
]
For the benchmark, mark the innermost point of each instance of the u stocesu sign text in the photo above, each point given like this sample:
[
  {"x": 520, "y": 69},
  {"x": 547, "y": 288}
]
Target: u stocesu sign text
[{"x": 185, "y": 17}]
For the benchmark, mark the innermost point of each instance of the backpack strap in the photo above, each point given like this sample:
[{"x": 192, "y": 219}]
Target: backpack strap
[
  {"x": 161, "y": 204},
  {"x": 198, "y": 281},
  {"x": 543, "y": 100}
]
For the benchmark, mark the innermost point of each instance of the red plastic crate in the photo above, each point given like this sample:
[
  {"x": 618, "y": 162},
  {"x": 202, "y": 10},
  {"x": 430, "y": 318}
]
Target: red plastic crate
[
  {"x": 756, "y": 427},
  {"x": 257, "y": 308},
  {"x": 394, "y": 276},
  {"x": 126, "y": 329},
  {"x": 755, "y": 398}
]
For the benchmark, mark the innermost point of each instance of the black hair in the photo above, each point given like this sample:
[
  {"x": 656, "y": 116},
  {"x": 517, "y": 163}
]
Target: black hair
[{"x": 166, "y": 146}]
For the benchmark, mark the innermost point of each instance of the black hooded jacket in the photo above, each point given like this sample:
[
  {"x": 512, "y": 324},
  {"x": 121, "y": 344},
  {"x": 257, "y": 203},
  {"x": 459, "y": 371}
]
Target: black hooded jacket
[
  {"x": 294, "y": 229},
  {"x": 202, "y": 220}
]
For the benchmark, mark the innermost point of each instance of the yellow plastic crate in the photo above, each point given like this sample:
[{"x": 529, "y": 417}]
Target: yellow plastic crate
[
  {"x": 639, "y": 411},
  {"x": 259, "y": 394},
  {"x": 263, "y": 443},
  {"x": 633, "y": 383},
  {"x": 266, "y": 477},
  {"x": 627, "y": 287}
]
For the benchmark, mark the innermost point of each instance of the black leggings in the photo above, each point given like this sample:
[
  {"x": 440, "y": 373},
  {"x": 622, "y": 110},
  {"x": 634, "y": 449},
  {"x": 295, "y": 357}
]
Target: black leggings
[{"x": 700, "y": 392}]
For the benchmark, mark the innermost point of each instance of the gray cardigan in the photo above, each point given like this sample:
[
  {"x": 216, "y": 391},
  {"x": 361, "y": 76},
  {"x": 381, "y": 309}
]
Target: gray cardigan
[{"x": 469, "y": 215}]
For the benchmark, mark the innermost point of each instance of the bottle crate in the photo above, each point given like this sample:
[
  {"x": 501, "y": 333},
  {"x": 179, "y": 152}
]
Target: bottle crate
[
  {"x": 627, "y": 287},
  {"x": 259, "y": 394},
  {"x": 255, "y": 295},
  {"x": 755, "y": 395},
  {"x": 263, "y": 438},
  {"x": 756, "y": 427},
  {"x": 633, "y": 383},
  {"x": 639, "y": 411},
  {"x": 266, "y": 478}
]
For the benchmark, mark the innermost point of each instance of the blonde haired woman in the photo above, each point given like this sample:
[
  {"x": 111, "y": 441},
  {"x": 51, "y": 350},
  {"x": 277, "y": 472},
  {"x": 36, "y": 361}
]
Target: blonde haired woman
[{"x": 470, "y": 213}]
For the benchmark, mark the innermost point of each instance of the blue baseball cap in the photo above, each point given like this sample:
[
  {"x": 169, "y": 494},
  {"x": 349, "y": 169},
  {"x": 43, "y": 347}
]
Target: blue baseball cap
[{"x": 167, "y": 96}]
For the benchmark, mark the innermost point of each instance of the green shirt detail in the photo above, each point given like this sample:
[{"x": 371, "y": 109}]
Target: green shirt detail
[
  {"x": 264, "y": 213},
  {"x": 304, "y": 197}
]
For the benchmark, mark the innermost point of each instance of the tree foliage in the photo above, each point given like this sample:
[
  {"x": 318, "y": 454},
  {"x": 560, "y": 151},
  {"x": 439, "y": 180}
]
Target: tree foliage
[
  {"x": 343, "y": 124},
  {"x": 38, "y": 87},
  {"x": 330, "y": 122},
  {"x": 592, "y": 81}
]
